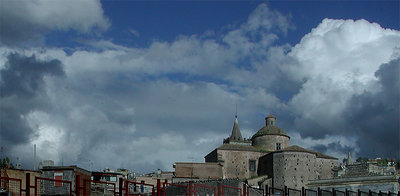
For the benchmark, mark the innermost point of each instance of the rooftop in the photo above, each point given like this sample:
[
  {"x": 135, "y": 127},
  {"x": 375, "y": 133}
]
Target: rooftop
[
  {"x": 270, "y": 130},
  {"x": 241, "y": 148},
  {"x": 295, "y": 148}
]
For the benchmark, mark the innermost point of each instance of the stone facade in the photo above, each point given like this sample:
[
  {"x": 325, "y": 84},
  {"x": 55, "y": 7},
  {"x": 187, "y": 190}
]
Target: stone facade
[
  {"x": 238, "y": 164},
  {"x": 271, "y": 142},
  {"x": 325, "y": 167},
  {"x": 269, "y": 155},
  {"x": 294, "y": 167},
  {"x": 363, "y": 169},
  {"x": 297, "y": 168},
  {"x": 198, "y": 170}
]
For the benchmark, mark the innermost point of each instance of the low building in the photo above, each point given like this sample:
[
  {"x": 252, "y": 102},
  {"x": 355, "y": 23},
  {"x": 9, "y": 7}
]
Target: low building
[
  {"x": 198, "y": 170},
  {"x": 107, "y": 176},
  {"x": 20, "y": 174},
  {"x": 363, "y": 169},
  {"x": 67, "y": 173},
  {"x": 363, "y": 183}
]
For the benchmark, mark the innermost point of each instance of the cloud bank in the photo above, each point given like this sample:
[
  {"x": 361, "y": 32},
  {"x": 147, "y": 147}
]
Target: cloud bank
[{"x": 145, "y": 108}]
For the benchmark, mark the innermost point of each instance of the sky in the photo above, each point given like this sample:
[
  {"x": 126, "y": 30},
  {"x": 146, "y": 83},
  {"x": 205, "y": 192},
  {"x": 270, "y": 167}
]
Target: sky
[{"x": 143, "y": 84}]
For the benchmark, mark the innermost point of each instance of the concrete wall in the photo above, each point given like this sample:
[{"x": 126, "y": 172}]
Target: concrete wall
[
  {"x": 268, "y": 142},
  {"x": 21, "y": 174},
  {"x": 198, "y": 170},
  {"x": 293, "y": 169},
  {"x": 236, "y": 163}
]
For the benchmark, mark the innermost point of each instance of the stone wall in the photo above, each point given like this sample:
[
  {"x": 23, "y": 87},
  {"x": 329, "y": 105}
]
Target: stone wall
[
  {"x": 198, "y": 170},
  {"x": 362, "y": 169},
  {"x": 325, "y": 167},
  {"x": 49, "y": 187},
  {"x": 236, "y": 164},
  {"x": 293, "y": 169},
  {"x": 268, "y": 142}
]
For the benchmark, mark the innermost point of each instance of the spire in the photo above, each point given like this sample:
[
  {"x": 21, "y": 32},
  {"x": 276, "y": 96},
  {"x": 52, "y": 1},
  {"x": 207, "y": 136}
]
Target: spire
[
  {"x": 236, "y": 135},
  {"x": 349, "y": 161}
]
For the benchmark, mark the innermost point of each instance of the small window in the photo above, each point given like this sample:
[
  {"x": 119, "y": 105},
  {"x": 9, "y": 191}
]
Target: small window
[
  {"x": 113, "y": 178},
  {"x": 252, "y": 165},
  {"x": 278, "y": 146}
]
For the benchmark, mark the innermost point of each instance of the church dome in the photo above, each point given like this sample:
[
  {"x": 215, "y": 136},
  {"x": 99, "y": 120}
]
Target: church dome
[
  {"x": 270, "y": 137},
  {"x": 270, "y": 128}
]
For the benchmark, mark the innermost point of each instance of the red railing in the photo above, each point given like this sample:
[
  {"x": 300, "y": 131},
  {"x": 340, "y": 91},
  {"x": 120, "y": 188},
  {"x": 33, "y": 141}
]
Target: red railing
[
  {"x": 239, "y": 190},
  {"x": 129, "y": 188},
  {"x": 204, "y": 186},
  {"x": 99, "y": 187},
  {"x": 11, "y": 185},
  {"x": 176, "y": 185},
  {"x": 48, "y": 186}
]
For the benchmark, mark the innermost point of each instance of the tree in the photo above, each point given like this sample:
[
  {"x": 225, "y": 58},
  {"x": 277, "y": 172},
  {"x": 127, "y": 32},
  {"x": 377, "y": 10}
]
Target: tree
[
  {"x": 362, "y": 159},
  {"x": 6, "y": 163}
]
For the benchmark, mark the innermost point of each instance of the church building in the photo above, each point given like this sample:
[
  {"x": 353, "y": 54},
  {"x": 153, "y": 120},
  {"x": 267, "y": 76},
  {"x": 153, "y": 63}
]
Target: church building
[{"x": 268, "y": 153}]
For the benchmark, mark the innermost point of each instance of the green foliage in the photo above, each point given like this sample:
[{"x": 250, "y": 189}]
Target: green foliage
[
  {"x": 382, "y": 162},
  {"x": 362, "y": 159},
  {"x": 6, "y": 163}
]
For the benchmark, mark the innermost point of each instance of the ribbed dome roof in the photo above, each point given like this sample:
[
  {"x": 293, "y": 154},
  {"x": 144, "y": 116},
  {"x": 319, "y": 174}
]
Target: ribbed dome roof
[{"x": 270, "y": 128}]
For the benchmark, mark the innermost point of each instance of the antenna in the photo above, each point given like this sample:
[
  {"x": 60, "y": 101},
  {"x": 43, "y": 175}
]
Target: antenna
[
  {"x": 34, "y": 156},
  {"x": 236, "y": 111}
]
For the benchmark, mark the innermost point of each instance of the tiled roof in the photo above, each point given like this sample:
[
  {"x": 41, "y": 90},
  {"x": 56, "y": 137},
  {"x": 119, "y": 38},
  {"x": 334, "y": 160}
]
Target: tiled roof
[
  {"x": 270, "y": 130},
  {"x": 239, "y": 147},
  {"x": 295, "y": 148},
  {"x": 236, "y": 135},
  {"x": 270, "y": 116}
]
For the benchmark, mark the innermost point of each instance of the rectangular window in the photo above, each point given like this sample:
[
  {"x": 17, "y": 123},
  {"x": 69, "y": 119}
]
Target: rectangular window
[
  {"x": 278, "y": 146},
  {"x": 252, "y": 165},
  {"x": 113, "y": 178},
  {"x": 58, "y": 176}
]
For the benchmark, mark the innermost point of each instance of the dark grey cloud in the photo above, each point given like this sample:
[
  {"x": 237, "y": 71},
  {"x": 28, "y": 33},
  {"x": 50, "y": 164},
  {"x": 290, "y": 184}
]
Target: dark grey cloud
[
  {"x": 375, "y": 116},
  {"x": 334, "y": 146},
  {"x": 22, "y": 91}
]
